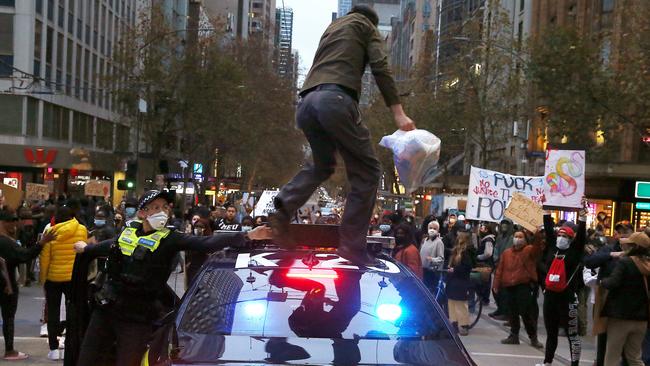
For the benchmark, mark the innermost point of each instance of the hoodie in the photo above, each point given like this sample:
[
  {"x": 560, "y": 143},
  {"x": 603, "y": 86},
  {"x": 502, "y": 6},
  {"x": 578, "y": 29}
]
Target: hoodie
[
  {"x": 57, "y": 256},
  {"x": 624, "y": 283},
  {"x": 504, "y": 239}
]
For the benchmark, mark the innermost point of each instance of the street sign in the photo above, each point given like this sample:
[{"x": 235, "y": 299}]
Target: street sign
[
  {"x": 642, "y": 190},
  {"x": 643, "y": 205}
]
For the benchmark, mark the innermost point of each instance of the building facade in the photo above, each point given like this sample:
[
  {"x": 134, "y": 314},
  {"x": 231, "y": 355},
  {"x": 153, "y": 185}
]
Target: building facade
[
  {"x": 234, "y": 14},
  {"x": 411, "y": 35},
  {"x": 262, "y": 19},
  {"x": 344, "y": 7},
  {"x": 60, "y": 125},
  {"x": 283, "y": 42}
]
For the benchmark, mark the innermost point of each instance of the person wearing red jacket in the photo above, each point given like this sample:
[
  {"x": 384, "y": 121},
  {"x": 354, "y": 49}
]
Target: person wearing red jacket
[
  {"x": 516, "y": 278},
  {"x": 405, "y": 250}
]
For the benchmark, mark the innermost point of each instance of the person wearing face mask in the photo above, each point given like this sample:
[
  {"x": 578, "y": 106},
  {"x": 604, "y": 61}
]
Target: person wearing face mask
[
  {"x": 102, "y": 228},
  {"x": 130, "y": 211},
  {"x": 502, "y": 243},
  {"x": 432, "y": 254},
  {"x": 13, "y": 254},
  {"x": 516, "y": 280},
  {"x": 247, "y": 224},
  {"x": 385, "y": 226},
  {"x": 118, "y": 219},
  {"x": 565, "y": 252},
  {"x": 57, "y": 259},
  {"x": 139, "y": 264},
  {"x": 194, "y": 259},
  {"x": 405, "y": 250}
]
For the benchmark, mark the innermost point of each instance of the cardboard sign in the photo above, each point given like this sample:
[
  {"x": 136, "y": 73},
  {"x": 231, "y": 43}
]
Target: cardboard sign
[
  {"x": 265, "y": 205},
  {"x": 564, "y": 178},
  {"x": 523, "y": 211},
  {"x": 11, "y": 197},
  {"x": 37, "y": 192},
  {"x": 490, "y": 192},
  {"x": 98, "y": 188}
]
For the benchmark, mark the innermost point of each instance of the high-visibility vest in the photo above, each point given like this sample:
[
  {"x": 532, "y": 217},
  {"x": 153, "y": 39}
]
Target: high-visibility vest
[{"x": 129, "y": 240}]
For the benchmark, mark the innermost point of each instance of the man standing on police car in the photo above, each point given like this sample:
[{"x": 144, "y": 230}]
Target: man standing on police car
[
  {"x": 139, "y": 264},
  {"x": 328, "y": 114}
]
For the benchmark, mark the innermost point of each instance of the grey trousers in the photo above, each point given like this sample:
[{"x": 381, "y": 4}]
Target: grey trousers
[{"x": 331, "y": 122}]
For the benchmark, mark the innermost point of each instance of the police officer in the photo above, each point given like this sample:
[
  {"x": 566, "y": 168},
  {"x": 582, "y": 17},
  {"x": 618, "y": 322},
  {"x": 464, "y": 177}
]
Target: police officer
[{"x": 139, "y": 264}]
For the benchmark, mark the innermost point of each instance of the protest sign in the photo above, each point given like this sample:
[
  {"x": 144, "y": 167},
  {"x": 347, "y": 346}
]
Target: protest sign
[
  {"x": 523, "y": 211},
  {"x": 564, "y": 178},
  {"x": 11, "y": 197},
  {"x": 265, "y": 205},
  {"x": 37, "y": 192},
  {"x": 99, "y": 188},
  {"x": 490, "y": 192}
]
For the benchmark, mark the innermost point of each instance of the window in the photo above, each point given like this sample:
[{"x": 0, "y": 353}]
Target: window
[
  {"x": 10, "y": 3},
  {"x": 32, "y": 117},
  {"x": 38, "y": 39},
  {"x": 49, "y": 46},
  {"x": 122, "y": 138},
  {"x": 50, "y": 10},
  {"x": 6, "y": 44},
  {"x": 59, "y": 51},
  {"x": 55, "y": 122},
  {"x": 104, "y": 134},
  {"x": 82, "y": 128},
  {"x": 608, "y": 5},
  {"x": 521, "y": 5},
  {"x": 61, "y": 14},
  {"x": 520, "y": 34},
  {"x": 11, "y": 114},
  {"x": 39, "y": 6}
]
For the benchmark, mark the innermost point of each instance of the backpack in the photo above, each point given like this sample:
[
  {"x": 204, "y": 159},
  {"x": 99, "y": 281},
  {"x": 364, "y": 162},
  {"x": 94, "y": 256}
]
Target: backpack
[{"x": 556, "y": 280}]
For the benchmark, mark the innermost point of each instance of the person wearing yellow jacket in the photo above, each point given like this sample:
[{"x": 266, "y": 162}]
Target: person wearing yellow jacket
[{"x": 57, "y": 259}]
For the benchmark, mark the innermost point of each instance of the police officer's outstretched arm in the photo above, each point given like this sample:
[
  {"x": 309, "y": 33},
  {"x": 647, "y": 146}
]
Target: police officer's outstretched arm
[{"x": 222, "y": 240}]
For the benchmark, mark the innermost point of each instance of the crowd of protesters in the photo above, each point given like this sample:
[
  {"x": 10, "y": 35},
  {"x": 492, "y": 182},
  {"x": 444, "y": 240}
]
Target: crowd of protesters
[{"x": 569, "y": 265}]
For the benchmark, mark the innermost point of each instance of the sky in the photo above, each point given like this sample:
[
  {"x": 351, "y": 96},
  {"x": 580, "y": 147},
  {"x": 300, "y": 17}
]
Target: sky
[{"x": 310, "y": 18}]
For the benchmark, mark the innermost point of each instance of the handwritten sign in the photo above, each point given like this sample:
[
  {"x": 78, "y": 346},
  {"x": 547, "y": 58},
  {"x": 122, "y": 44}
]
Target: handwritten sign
[
  {"x": 98, "y": 188},
  {"x": 564, "y": 178},
  {"x": 10, "y": 196},
  {"x": 523, "y": 211},
  {"x": 265, "y": 205},
  {"x": 37, "y": 192},
  {"x": 490, "y": 192}
]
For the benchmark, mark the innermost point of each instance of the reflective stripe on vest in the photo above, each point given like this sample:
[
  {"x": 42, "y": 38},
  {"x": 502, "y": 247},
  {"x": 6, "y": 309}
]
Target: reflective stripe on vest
[{"x": 128, "y": 240}]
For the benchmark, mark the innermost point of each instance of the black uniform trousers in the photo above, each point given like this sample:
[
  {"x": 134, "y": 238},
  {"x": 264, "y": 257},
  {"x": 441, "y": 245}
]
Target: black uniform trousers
[
  {"x": 105, "y": 329},
  {"x": 330, "y": 120},
  {"x": 9, "y": 305}
]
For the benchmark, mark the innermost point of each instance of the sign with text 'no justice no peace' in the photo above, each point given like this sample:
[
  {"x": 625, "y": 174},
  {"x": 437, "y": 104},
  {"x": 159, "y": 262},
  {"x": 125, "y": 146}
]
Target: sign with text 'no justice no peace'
[{"x": 490, "y": 193}]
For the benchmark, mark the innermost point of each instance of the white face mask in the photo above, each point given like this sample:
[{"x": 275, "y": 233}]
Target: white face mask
[
  {"x": 246, "y": 228},
  {"x": 158, "y": 220},
  {"x": 519, "y": 242},
  {"x": 433, "y": 233},
  {"x": 563, "y": 243}
]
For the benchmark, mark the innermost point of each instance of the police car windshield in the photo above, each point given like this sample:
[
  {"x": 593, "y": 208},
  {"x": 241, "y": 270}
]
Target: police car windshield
[{"x": 277, "y": 295}]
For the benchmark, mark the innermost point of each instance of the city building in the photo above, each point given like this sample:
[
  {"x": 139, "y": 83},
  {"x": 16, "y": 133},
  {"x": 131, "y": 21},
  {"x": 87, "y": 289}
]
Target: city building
[
  {"x": 59, "y": 123},
  {"x": 262, "y": 19},
  {"x": 411, "y": 35},
  {"x": 344, "y": 7},
  {"x": 233, "y": 14},
  {"x": 283, "y": 42},
  {"x": 611, "y": 185}
]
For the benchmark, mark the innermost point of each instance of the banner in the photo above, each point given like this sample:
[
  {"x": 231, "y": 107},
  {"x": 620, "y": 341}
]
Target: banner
[
  {"x": 36, "y": 192},
  {"x": 490, "y": 192},
  {"x": 99, "y": 188},
  {"x": 564, "y": 178},
  {"x": 523, "y": 211},
  {"x": 265, "y": 205}
]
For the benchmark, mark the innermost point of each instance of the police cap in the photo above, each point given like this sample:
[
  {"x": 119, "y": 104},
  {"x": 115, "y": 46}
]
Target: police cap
[{"x": 149, "y": 196}]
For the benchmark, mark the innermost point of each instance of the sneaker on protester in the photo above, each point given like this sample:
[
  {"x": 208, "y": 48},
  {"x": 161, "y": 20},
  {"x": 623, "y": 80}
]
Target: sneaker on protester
[
  {"x": 54, "y": 355},
  {"x": 61, "y": 342},
  {"x": 44, "y": 330}
]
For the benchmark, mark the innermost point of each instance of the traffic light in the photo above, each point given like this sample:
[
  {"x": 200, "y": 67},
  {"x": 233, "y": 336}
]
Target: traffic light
[{"x": 125, "y": 185}]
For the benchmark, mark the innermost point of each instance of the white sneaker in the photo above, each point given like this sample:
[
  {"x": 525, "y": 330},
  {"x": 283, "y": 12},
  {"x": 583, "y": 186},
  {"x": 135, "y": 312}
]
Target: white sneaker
[
  {"x": 54, "y": 355},
  {"x": 44, "y": 330},
  {"x": 61, "y": 342},
  {"x": 61, "y": 354}
]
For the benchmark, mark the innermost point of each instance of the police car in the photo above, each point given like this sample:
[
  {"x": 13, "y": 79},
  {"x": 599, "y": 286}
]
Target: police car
[{"x": 305, "y": 306}]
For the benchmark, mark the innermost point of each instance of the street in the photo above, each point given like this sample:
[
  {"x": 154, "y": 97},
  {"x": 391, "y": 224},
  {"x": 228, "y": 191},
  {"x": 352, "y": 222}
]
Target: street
[{"x": 482, "y": 342}]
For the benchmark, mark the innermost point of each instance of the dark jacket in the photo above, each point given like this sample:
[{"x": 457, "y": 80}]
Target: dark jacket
[
  {"x": 503, "y": 241},
  {"x": 572, "y": 256},
  {"x": 627, "y": 298},
  {"x": 347, "y": 46},
  {"x": 14, "y": 254},
  {"x": 458, "y": 282},
  {"x": 603, "y": 260}
]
